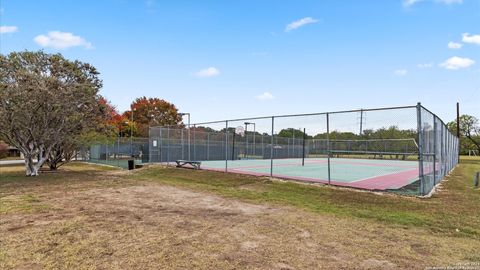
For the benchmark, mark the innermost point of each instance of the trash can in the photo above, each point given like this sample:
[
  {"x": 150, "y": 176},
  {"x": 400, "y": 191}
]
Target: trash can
[{"x": 131, "y": 164}]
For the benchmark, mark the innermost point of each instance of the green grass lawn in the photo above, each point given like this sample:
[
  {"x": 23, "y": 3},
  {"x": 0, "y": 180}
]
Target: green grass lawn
[
  {"x": 88, "y": 216},
  {"x": 453, "y": 210}
]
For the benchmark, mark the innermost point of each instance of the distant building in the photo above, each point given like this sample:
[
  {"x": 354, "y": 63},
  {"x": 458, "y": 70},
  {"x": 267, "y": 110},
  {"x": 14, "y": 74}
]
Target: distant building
[{"x": 13, "y": 151}]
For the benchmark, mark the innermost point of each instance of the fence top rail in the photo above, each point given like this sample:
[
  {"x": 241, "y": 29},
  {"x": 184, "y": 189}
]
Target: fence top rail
[{"x": 298, "y": 115}]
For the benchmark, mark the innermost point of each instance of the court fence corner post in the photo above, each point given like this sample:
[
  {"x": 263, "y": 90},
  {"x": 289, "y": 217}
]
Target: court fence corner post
[
  {"x": 226, "y": 146},
  {"x": 420, "y": 149},
  {"x": 272, "y": 147},
  {"x": 328, "y": 147},
  {"x": 434, "y": 150}
]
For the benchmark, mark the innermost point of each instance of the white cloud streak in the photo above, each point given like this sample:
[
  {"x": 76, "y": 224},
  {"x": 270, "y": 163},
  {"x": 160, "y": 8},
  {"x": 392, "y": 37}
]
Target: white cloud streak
[
  {"x": 61, "y": 40},
  {"x": 455, "y": 63},
  {"x": 454, "y": 46},
  {"x": 408, "y": 3},
  {"x": 473, "y": 39},
  {"x": 208, "y": 72},
  {"x": 8, "y": 29},
  {"x": 449, "y": 2},
  {"x": 299, "y": 23},
  {"x": 400, "y": 72},
  {"x": 426, "y": 65},
  {"x": 265, "y": 96}
]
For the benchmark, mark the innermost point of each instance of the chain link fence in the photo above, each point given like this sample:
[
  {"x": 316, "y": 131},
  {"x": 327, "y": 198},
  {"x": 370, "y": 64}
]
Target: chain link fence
[
  {"x": 405, "y": 150},
  {"x": 118, "y": 152}
]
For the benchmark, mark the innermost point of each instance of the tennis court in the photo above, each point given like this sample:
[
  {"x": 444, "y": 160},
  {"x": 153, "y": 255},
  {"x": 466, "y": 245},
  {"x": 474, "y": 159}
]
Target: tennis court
[
  {"x": 406, "y": 150},
  {"x": 357, "y": 173}
]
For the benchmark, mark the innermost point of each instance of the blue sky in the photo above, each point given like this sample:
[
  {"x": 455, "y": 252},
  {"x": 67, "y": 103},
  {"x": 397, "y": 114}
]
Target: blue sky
[{"x": 231, "y": 59}]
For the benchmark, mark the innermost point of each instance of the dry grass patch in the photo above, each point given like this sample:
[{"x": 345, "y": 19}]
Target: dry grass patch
[{"x": 175, "y": 219}]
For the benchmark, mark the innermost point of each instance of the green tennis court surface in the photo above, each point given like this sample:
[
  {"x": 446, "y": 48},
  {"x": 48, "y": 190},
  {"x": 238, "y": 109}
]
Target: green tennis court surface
[{"x": 359, "y": 173}]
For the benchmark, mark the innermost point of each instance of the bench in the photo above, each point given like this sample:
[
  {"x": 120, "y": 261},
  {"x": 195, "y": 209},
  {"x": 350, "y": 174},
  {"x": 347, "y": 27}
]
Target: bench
[{"x": 194, "y": 164}]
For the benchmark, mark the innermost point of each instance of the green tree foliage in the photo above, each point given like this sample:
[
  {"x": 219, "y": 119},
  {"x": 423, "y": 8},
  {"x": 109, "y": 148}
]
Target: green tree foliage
[
  {"x": 46, "y": 103},
  {"x": 293, "y": 133},
  {"x": 392, "y": 132},
  {"x": 469, "y": 133}
]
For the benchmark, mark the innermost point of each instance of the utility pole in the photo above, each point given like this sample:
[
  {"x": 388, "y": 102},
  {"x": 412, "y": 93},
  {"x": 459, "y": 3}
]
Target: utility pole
[
  {"x": 458, "y": 129},
  {"x": 187, "y": 114},
  {"x": 131, "y": 132},
  {"x": 361, "y": 122}
]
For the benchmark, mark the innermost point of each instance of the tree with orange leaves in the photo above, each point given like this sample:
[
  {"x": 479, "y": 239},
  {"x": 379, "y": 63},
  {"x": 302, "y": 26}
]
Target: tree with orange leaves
[{"x": 152, "y": 112}]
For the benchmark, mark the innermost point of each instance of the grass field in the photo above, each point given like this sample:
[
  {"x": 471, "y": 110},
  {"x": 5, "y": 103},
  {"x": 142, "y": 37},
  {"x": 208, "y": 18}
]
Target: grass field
[{"x": 87, "y": 216}]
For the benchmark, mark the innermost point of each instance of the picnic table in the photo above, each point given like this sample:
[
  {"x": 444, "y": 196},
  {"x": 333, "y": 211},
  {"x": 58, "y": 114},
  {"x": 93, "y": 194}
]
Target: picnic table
[{"x": 194, "y": 164}]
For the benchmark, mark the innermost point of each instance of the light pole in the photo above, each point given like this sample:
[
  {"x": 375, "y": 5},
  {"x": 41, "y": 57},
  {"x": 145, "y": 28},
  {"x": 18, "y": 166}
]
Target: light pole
[
  {"x": 246, "y": 136},
  {"x": 187, "y": 114},
  {"x": 131, "y": 133}
]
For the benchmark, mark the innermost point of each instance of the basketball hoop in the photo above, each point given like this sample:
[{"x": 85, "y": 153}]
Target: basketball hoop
[{"x": 240, "y": 131}]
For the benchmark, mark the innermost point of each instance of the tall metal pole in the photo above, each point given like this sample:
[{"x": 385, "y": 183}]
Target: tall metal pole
[
  {"x": 226, "y": 146},
  {"x": 271, "y": 148},
  {"x": 188, "y": 135},
  {"x": 131, "y": 133},
  {"x": 194, "y": 142},
  {"x": 183, "y": 144},
  {"x": 293, "y": 145},
  {"x": 188, "y": 114},
  {"x": 328, "y": 148},
  {"x": 361, "y": 122},
  {"x": 246, "y": 140},
  {"x": 303, "y": 150},
  {"x": 435, "y": 149},
  {"x": 420, "y": 149},
  {"x": 233, "y": 146},
  {"x": 458, "y": 127},
  {"x": 254, "y": 145}
]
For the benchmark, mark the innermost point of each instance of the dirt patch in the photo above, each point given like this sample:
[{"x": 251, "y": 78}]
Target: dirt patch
[{"x": 148, "y": 225}]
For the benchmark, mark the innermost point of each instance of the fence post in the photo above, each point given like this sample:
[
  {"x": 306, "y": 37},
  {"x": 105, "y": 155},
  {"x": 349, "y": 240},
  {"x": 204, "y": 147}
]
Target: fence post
[
  {"x": 226, "y": 146},
  {"x": 183, "y": 144},
  {"x": 328, "y": 148},
  {"x": 271, "y": 148},
  {"x": 168, "y": 146},
  {"x": 434, "y": 149},
  {"x": 303, "y": 147},
  {"x": 208, "y": 145},
  {"x": 160, "y": 143},
  {"x": 420, "y": 149},
  {"x": 194, "y": 142}
]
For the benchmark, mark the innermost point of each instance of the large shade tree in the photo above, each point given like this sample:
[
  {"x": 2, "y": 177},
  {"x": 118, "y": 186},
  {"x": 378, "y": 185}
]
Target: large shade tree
[
  {"x": 46, "y": 101},
  {"x": 151, "y": 112},
  {"x": 469, "y": 132}
]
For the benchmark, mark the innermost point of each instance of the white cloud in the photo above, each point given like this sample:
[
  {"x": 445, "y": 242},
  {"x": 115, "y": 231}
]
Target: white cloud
[
  {"x": 467, "y": 38},
  {"x": 454, "y": 46},
  {"x": 61, "y": 40},
  {"x": 408, "y": 3},
  {"x": 299, "y": 23},
  {"x": 400, "y": 72},
  {"x": 426, "y": 65},
  {"x": 8, "y": 29},
  {"x": 265, "y": 96},
  {"x": 454, "y": 63},
  {"x": 449, "y": 2},
  {"x": 208, "y": 72}
]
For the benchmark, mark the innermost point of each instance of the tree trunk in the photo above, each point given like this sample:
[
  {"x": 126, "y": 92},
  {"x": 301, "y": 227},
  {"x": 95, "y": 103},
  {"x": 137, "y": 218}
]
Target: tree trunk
[{"x": 30, "y": 168}]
